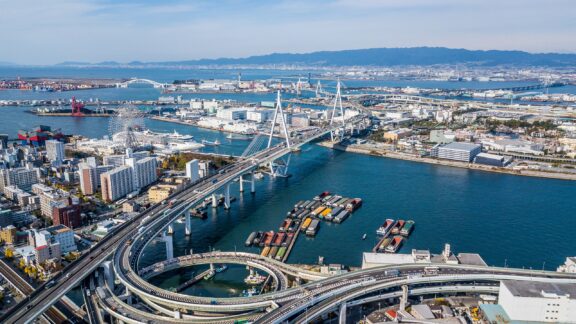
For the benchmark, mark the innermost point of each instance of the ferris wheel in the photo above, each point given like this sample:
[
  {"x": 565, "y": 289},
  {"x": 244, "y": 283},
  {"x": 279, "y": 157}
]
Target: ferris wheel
[{"x": 122, "y": 127}]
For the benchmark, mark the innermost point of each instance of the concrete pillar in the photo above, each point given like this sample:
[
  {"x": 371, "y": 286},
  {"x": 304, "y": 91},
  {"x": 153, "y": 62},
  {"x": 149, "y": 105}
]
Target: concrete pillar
[
  {"x": 241, "y": 180},
  {"x": 129, "y": 297},
  {"x": 177, "y": 314},
  {"x": 252, "y": 185},
  {"x": 188, "y": 226},
  {"x": 169, "y": 245},
  {"x": 109, "y": 272},
  {"x": 227, "y": 196},
  {"x": 404, "y": 298},
  {"x": 214, "y": 201},
  {"x": 212, "y": 267},
  {"x": 342, "y": 316}
]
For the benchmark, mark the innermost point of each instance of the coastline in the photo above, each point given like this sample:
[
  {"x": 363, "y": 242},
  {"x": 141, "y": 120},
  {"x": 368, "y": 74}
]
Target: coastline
[{"x": 456, "y": 164}]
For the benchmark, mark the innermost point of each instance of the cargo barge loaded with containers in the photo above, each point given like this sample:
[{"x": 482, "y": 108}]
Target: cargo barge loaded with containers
[
  {"x": 393, "y": 233},
  {"x": 305, "y": 217}
]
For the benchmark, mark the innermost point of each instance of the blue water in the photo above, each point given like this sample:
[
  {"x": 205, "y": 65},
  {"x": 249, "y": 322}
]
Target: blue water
[{"x": 526, "y": 221}]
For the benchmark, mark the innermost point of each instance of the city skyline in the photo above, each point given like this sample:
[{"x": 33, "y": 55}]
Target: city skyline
[{"x": 125, "y": 31}]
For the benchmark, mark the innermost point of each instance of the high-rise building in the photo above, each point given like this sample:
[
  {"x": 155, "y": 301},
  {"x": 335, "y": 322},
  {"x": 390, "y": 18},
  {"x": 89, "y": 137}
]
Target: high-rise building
[
  {"x": 49, "y": 200},
  {"x": 55, "y": 151},
  {"x": 143, "y": 171},
  {"x": 63, "y": 235},
  {"x": 22, "y": 178},
  {"x": 192, "y": 170},
  {"x": 90, "y": 178},
  {"x": 116, "y": 183}
]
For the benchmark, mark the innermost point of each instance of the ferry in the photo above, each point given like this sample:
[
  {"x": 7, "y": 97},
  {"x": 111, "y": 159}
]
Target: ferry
[
  {"x": 407, "y": 228},
  {"x": 396, "y": 228},
  {"x": 383, "y": 230},
  {"x": 395, "y": 244}
]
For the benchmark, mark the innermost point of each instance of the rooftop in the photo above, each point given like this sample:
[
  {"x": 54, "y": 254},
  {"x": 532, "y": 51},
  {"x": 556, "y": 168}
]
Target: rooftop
[
  {"x": 534, "y": 289},
  {"x": 461, "y": 146}
]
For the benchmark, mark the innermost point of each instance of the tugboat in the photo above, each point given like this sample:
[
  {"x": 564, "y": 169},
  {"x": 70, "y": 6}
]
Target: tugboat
[{"x": 249, "y": 292}]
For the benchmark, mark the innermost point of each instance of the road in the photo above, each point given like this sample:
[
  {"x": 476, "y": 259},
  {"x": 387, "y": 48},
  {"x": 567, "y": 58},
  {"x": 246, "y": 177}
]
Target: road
[
  {"x": 72, "y": 275},
  {"x": 54, "y": 314}
]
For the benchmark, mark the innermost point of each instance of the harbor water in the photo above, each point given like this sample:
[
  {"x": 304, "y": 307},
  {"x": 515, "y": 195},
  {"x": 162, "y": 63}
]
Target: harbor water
[{"x": 507, "y": 219}]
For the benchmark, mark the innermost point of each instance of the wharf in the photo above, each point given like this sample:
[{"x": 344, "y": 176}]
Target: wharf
[
  {"x": 194, "y": 280},
  {"x": 289, "y": 249}
]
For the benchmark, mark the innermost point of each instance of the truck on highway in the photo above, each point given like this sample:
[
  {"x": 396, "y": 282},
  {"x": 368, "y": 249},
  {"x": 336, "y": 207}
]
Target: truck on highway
[{"x": 49, "y": 284}]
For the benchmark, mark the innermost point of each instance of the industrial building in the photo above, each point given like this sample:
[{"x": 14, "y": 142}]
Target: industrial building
[
  {"x": 492, "y": 159},
  {"x": 457, "y": 151},
  {"x": 538, "y": 301}
]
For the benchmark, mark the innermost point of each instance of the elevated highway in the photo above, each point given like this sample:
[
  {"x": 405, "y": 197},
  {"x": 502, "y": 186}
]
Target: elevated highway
[{"x": 149, "y": 223}]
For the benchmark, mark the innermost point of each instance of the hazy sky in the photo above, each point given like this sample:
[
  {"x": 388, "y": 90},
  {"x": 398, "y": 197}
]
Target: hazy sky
[{"x": 52, "y": 31}]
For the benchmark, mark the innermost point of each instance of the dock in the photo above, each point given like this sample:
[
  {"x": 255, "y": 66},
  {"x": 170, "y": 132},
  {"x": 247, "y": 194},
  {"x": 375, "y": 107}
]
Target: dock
[
  {"x": 193, "y": 280},
  {"x": 289, "y": 249}
]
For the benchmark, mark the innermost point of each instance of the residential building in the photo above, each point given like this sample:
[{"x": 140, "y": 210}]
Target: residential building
[
  {"x": 22, "y": 178},
  {"x": 63, "y": 235},
  {"x": 8, "y": 234},
  {"x": 48, "y": 200},
  {"x": 55, "y": 151},
  {"x": 6, "y": 217},
  {"x": 192, "y": 170},
  {"x": 158, "y": 193},
  {"x": 67, "y": 215},
  {"x": 46, "y": 252},
  {"x": 538, "y": 301},
  {"x": 116, "y": 183},
  {"x": 143, "y": 171},
  {"x": 90, "y": 177}
]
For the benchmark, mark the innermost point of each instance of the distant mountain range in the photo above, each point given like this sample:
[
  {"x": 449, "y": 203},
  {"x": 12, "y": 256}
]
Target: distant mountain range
[{"x": 420, "y": 56}]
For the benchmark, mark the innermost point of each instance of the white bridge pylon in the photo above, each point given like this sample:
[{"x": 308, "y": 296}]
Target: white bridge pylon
[
  {"x": 279, "y": 167},
  {"x": 337, "y": 104}
]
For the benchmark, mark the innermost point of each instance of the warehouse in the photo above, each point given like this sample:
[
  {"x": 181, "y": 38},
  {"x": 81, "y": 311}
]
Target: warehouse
[{"x": 457, "y": 151}]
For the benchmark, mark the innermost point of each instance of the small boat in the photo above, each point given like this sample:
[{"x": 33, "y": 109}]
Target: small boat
[
  {"x": 221, "y": 268},
  {"x": 255, "y": 279},
  {"x": 258, "y": 175},
  {"x": 364, "y": 236},
  {"x": 249, "y": 292},
  {"x": 210, "y": 275},
  {"x": 210, "y": 143},
  {"x": 181, "y": 220}
]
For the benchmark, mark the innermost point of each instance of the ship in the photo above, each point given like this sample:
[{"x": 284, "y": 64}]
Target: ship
[
  {"x": 269, "y": 236},
  {"x": 221, "y": 268},
  {"x": 279, "y": 239},
  {"x": 396, "y": 228},
  {"x": 238, "y": 137},
  {"x": 395, "y": 244},
  {"x": 250, "y": 239},
  {"x": 249, "y": 292},
  {"x": 383, "y": 230},
  {"x": 39, "y": 135},
  {"x": 383, "y": 244},
  {"x": 177, "y": 136},
  {"x": 258, "y": 237},
  {"x": 407, "y": 228},
  {"x": 322, "y": 195},
  {"x": 255, "y": 279},
  {"x": 210, "y": 143}
]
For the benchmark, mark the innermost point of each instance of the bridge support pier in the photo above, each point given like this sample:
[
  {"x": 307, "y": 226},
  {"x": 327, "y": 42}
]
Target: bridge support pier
[
  {"x": 252, "y": 184},
  {"x": 241, "y": 181},
  {"x": 169, "y": 245},
  {"x": 188, "y": 222},
  {"x": 342, "y": 314},
  {"x": 227, "y": 196},
  {"x": 214, "y": 201},
  {"x": 128, "y": 297},
  {"x": 212, "y": 267},
  {"x": 404, "y": 298}
]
